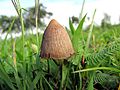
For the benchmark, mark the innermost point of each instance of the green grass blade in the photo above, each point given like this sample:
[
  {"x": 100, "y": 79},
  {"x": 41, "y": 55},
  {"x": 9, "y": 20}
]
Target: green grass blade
[
  {"x": 90, "y": 31},
  {"x": 77, "y": 35},
  {"x": 80, "y": 25},
  {"x": 17, "y": 6},
  {"x": 5, "y": 77},
  {"x": 98, "y": 68},
  {"x": 10, "y": 28},
  {"x": 17, "y": 78},
  {"x": 82, "y": 10},
  {"x": 71, "y": 27},
  {"x": 36, "y": 20},
  {"x": 48, "y": 83},
  {"x": 37, "y": 78}
]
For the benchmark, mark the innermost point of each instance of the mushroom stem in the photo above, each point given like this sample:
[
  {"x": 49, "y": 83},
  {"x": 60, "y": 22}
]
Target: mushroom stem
[
  {"x": 62, "y": 83},
  {"x": 61, "y": 75},
  {"x": 48, "y": 63}
]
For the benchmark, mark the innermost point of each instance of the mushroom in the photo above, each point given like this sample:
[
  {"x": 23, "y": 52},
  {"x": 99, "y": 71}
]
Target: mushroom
[{"x": 56, "y": 43}]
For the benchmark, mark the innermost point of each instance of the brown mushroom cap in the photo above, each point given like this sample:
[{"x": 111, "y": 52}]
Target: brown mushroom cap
[{"x": 56, "y": 43}]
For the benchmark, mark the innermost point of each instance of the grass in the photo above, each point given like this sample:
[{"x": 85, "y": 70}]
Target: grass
[{"x": 97, "y": 48}]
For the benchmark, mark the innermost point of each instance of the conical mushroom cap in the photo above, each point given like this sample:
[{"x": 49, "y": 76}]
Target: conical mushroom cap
[{"x": 56, "y": 43}]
